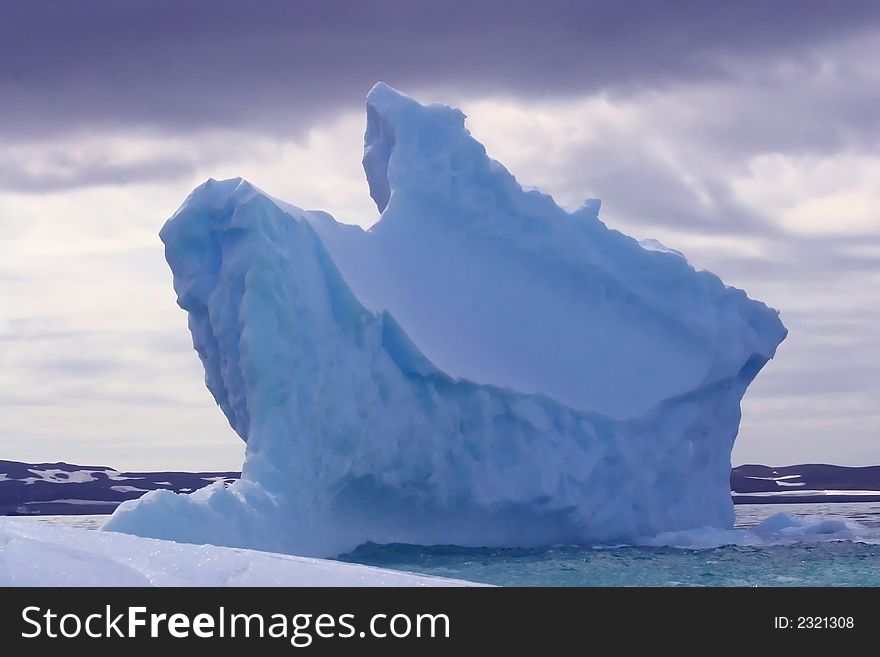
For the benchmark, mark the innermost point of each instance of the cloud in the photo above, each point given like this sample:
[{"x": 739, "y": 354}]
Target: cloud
[
  {"x": 815, "y": 195},
  {"x": 186, "y": 66},
  {"x": 28, "y": 169}
]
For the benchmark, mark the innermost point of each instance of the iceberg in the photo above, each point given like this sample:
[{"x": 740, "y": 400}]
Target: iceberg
[{"x": 480, "y": 368}]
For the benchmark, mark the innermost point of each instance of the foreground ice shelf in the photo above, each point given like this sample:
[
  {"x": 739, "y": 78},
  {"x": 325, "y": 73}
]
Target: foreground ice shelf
[
  {"x": 34, "y": 553},
  {"x": 479, "y": 368}
]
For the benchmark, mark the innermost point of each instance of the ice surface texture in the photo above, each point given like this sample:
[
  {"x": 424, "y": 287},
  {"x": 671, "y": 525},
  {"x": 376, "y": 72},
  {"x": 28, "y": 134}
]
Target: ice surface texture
[
  {"x": 479, "y": 368},
  {"x": 34, "y": 553}
]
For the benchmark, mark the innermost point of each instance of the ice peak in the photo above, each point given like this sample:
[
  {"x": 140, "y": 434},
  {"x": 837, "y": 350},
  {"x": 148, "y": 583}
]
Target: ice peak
[
  {"x": 383, "y": 95},
  {"x": 428, "y": 140},
  {"x": 590, "y": 208}
]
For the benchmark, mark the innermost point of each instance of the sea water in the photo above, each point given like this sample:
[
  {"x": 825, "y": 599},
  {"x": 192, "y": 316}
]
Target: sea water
[
  {"x": 832, "y": 558},
  {"x": 826, "y": 556}
]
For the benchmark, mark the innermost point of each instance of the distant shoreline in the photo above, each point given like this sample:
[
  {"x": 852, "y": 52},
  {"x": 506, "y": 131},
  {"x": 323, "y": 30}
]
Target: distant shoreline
[{"x": 30, "y": 489}]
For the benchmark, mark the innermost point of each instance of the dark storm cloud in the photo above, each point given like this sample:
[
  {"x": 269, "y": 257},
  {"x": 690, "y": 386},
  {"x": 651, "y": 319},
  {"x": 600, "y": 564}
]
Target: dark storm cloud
[{"x": 181, "y": 65}]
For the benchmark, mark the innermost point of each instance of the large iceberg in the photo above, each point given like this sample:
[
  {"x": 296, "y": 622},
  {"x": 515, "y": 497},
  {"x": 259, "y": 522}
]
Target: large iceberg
[{"x": 480, "y": 368}]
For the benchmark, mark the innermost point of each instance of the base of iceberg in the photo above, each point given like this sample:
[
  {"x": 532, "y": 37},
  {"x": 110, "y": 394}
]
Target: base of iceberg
[
  {"x": 778, "y": 529},
  {"x": 481, "y": 368}
]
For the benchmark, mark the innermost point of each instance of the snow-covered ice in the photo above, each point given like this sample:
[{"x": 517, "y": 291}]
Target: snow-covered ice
[
  {"x": 42, "y": 554},
  {"x": 481, "y": 367}
]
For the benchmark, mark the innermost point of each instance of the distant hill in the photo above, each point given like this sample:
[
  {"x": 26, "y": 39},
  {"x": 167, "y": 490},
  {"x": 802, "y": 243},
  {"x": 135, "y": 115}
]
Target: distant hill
[
  {"x": 810, "y": 482},
  {"x": 65, "y": 489},
  {"x": 62, "y": 488}
]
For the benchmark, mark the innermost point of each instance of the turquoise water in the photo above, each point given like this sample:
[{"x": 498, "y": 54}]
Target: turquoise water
[
  {"x": 843, "y": 550},
  {"x": 815, "y": 545}
]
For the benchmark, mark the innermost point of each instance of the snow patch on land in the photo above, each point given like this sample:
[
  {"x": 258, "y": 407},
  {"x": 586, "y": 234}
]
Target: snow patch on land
[
  {"x": 130, "y": 489},
  {"x": 777, "y": 479},
  {"x": 57, "y": 476}
]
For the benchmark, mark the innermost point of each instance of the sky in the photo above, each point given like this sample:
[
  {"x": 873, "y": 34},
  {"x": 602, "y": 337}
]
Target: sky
[{"x": 744, "y": 134}]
